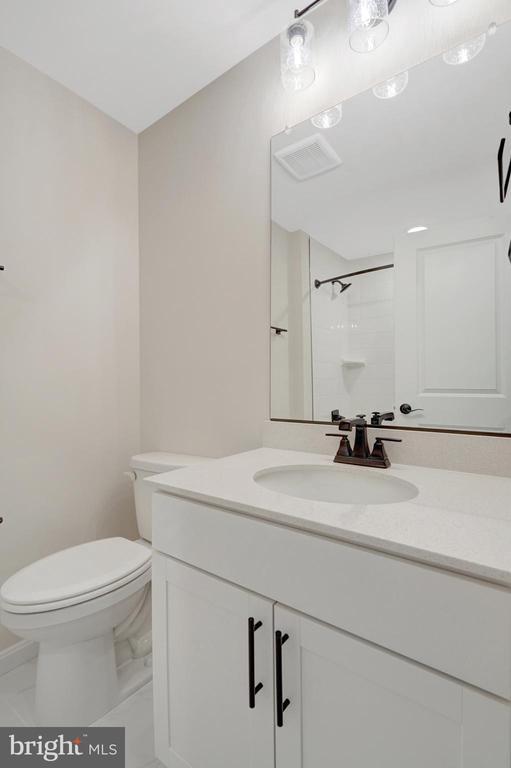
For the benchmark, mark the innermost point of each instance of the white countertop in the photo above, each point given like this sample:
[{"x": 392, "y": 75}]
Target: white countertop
[{"x": 458, "y": 521}]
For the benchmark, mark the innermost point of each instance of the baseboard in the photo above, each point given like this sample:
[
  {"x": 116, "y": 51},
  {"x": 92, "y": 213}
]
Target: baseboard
[{"x": 16, "y": 655}]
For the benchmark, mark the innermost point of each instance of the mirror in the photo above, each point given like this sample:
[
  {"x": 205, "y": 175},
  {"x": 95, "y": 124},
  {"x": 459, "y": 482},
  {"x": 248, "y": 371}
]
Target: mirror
[{"x": 391, "y": 260}]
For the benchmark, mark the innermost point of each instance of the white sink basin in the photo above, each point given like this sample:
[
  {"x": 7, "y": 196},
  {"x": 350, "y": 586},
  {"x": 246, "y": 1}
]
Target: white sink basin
[{"x": 337, "y": 484}]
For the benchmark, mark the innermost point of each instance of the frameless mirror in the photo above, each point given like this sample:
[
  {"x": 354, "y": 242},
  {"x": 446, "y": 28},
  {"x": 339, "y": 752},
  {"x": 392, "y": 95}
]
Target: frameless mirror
[{"x": 391, "y": 273}]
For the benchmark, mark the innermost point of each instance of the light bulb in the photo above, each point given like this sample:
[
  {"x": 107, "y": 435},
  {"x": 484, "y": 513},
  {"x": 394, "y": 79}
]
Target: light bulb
[
  {"x": 296, "y": 56},
  {"x": 368, "y": 23},
  {"x": 391, "y": 87},
  {"x": 328, "y": 118},
  {"x": 466, "y": 51},
  {"x": 442, "y": 3}
]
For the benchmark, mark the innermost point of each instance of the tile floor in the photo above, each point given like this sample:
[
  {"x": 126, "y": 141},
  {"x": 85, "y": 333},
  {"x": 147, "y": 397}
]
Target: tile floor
[{"x": 134, "y": 713}]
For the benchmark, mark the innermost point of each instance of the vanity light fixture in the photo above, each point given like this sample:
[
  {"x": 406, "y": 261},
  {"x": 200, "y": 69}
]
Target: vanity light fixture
[
  {"x": 328, "y": 118},
  {"x": 368, "y": 24},
  {"x": 296, "y": 56},
  {"x": 368, "y": 29},
  {"x": 414, "y": 230},
  {"x": 391, "y": 87}
]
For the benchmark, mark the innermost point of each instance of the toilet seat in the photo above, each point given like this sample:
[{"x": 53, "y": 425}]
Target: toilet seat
[{"x": 75, "y": 575}]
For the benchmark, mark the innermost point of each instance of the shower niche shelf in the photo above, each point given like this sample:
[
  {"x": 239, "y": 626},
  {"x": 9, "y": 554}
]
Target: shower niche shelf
[{"x": 352, "y": 362}]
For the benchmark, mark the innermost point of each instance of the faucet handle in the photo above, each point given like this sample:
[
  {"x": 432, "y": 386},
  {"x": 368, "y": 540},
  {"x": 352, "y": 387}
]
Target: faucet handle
[
  {"x": 379, "y": 453},
  {"x": 336, "y": 416}
]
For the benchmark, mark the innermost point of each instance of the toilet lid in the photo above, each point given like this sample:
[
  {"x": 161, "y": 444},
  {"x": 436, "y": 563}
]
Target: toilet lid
[{"x": 76, "y": 572}]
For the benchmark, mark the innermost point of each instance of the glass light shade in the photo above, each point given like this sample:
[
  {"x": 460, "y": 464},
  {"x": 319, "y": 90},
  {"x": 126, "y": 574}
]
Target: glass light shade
[
  {"x": 328, "y": 118},
  {"x": 391, "y": 87},
  {"x": 466, "y": 51},
  {"x": 368, "y": 24},
  {"x": 296, "y": 56},
  {"x": 442, "y": 3}
]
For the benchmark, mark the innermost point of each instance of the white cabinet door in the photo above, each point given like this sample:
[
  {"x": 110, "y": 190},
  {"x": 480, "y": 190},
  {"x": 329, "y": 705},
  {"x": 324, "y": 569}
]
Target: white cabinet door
[
  {"x": 352, "y": 704},
  {"x": 202, "y": 661}
]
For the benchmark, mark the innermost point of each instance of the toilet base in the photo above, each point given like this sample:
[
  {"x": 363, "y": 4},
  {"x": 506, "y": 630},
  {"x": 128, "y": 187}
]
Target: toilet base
[{"x": 77, "y": 683}]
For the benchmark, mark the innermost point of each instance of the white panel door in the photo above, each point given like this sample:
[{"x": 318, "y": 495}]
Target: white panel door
[
  {"x": 352, "y": 704},
  {"x": 453, "y": 325},
  {"x": 202, "y": 660}
]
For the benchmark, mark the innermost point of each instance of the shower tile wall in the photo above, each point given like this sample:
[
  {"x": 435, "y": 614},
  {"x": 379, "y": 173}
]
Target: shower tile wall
[
  {"x": 329, "y": 324},
  {"x": 352, "y": 336},
  {"x": 371, "y": 339}
]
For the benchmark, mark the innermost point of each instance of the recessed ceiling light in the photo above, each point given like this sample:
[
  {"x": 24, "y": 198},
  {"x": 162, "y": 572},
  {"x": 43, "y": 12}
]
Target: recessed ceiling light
[{"x": 413, "y": 230}]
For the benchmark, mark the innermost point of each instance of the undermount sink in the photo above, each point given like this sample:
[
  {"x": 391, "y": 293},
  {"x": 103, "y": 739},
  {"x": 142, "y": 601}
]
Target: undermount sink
[{"x": 337, "y": 485}]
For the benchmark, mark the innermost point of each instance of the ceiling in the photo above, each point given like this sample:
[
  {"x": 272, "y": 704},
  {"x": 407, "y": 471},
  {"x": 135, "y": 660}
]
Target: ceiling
[
  {"x": 420, "y": 159},
  {"x": 138, "y": 59}
]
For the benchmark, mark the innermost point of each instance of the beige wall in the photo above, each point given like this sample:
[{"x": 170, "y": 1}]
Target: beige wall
[
  {"x": 69, "y": 389},
  {"x": 205, "y": 223}
]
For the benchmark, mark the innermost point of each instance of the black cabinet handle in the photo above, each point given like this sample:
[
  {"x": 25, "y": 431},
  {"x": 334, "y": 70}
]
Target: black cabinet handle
[
  {"x": 282, "y": 704},
  {"x": 253, "y": 689}
]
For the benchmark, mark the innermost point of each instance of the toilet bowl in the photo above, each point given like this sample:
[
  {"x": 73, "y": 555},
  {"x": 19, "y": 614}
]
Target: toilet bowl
[{"x": 72, "y": 602}]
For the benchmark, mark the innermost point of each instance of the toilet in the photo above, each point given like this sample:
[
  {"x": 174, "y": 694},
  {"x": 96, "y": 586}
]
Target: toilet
[{"x": 72, "y": 601}]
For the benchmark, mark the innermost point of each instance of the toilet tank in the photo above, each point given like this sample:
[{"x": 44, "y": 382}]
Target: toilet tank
[{"x": 144, "y": 465}]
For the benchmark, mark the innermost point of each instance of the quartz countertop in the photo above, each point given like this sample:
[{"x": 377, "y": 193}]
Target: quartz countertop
[{"x": 458, "y": 521}]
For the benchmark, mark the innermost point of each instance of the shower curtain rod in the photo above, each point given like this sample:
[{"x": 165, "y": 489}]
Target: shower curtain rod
[{"x": 318, "y": 283}]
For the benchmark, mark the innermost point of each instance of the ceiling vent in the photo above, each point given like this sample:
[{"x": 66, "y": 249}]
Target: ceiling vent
[{"x": 308, "y": 158}]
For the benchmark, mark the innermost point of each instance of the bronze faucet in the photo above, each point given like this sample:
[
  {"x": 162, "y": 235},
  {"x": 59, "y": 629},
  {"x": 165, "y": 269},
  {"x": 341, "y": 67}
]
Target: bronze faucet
[{"x": 360, "y": 454}]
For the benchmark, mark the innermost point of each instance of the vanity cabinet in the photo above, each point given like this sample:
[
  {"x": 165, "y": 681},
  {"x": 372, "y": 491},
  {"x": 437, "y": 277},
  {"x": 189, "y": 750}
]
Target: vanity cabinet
[
  {"x": 205, "y": 714},
  {"x": 357, "y": 705},
  {"x": 330, "y": 695}
]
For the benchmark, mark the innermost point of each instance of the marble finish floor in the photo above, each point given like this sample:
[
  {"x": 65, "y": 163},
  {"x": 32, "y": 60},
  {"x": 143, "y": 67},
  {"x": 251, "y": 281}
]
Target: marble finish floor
[{"x": 134, "y": 713}]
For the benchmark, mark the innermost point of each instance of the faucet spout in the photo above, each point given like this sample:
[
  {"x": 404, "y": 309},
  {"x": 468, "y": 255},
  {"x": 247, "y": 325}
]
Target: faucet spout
[
  {"x": 378, "y": 418},
  {"x": 361, "y": 454},
  {"x": 361, "y": 447}
]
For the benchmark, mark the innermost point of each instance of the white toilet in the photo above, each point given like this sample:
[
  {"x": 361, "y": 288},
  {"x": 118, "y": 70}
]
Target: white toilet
[{"x": 71, "y": 602}]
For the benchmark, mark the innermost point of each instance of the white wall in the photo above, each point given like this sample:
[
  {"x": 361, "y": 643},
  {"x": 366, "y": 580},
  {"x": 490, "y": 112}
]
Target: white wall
[
  {"x": 205, "y": 223},
  {"x": 291, "y": 364},
  {"x": 279, "y": 344},
  {"x": 69, "y": 384}
]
